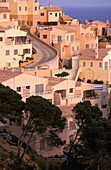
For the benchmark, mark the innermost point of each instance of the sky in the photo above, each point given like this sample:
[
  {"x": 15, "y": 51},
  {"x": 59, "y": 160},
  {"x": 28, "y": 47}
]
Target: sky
[{"x": 76, "y": 3}]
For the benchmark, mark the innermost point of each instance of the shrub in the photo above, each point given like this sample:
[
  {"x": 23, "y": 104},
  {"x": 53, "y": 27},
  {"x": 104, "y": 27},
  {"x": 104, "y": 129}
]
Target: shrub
[
  {"x": 63, "y": 74},
  {"x": 88, "y": 81}
]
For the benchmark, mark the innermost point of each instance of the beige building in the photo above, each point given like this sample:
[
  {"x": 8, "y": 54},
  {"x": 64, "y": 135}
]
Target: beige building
[
  {"x": 13, "y": 47},
  {"x": 69, "y": 40},
  {"x": 61, "y": 92},
  {"x": 5, "y": 20},
  {"x": 96, "y": 65},
  {"x": 25, "y": 11},
  {"x": 49, "y": 13},
  {"x": 99, "y": 27}
]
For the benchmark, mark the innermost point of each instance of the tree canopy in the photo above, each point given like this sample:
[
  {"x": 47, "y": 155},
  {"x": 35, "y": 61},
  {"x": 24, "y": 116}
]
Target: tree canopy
[
  {"x": 45, "y": 119},
  {"x": 11, "y": 106},
  {"x": 91, "y": 146}
]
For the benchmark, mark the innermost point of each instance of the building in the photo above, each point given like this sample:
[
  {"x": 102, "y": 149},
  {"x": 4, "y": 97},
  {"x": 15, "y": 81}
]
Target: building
[
  {"x": 49, "y": 13},
  {"x": 26, "y": 12},
  {"x": 99, "y": 27},
  {"x": 61, "y": 92},
  {"x": 13, "y": 47},
  {"x": 69, "y": 40},
  {"x": 96, "y": 65},
  {"x": 5, "y": 20}
]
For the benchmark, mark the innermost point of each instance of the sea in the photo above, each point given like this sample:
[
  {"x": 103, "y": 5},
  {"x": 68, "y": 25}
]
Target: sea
[{"x": 88, "y": 13}]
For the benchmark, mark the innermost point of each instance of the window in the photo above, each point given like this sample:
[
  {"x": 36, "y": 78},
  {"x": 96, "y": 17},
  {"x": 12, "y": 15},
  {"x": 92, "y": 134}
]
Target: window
[
  {"x": 42, "y": 14},
  {"x": 1, "y": 38},
  {"x": 50, "y": 13},
  {"x": 91, "y": 64},
  {"x": 100, "y": 64},
  {"x": 87, "y": 45},
  {"x": 71, "y": 90},
  {"x": 39, "y": 88},
  {"x": 41, "y": 145},
  {"x": 62, "y": 49},
  {"x": 35, "y": 8},
  {"x": 27, "y": 87},
  {"x": 4, "y": 16},
  {"x": 106, "y": 65},
  {"x": 9, "y": 26},
  {"x": 77, "y": 48},
  {"x": 96, "y": 104},
  {"x": 7, "y": 52},
  {"x": 96, "y": 44},
  {"x": 59, "y": 39},
  {"x": 72, "y": 38},
  {"x": 15, "y": 52},
  {"x": 31, "y": 23},
  {"x": 18, "y": 89},
  {"x": 92, "y": 45},
  {"x": 72, "y": 48},
  {"x": 71, "y": 138},
  {"x": 19, "y": 8},
  {"x": 67, "y": 37},
  {"x": 26, "y": 8},
  {"x": 45, "y": 36},
  {"x": 84, "y": 64},
  {"x": 26, "y": 51},
  {"x": 9, "y": 64},
  {"x": 55, "y": 14}
]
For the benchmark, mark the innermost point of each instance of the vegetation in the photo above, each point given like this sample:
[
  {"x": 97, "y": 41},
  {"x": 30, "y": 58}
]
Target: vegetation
[
  {"x": 88, "y": 81},
  {"x": 41, "y": 117},
  {"x": 11, "y": 106},
  {"x": 98, "y": 82},
  {"x": 90, "y": 148},
  {"x": 63, "y": 74},
  {"x": 105, "y": 39}
]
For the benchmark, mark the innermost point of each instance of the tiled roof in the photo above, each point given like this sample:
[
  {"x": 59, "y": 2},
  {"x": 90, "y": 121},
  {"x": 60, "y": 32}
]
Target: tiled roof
[
  {"x": 52, "y": 81},
  {"x": 6, "y": 75},
  {"x": 90, "y": 53},
  {"x": 4, "y": 9},
  {"x": 53, "y": 8},
  {"x": 3, "y": 29},
  {"x": 85, "y": 26},
  {"x": 68, "y": 28},
  {"x": 66, "y": 18},
  {"x": 99, "y": 22}
]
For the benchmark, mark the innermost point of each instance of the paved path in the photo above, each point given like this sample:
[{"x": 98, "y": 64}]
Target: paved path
[{"x": 45, "y": 52}]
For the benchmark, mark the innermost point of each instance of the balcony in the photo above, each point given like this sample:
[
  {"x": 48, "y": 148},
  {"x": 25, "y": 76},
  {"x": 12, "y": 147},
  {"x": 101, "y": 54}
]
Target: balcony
[{"x": 90, "y": 98}]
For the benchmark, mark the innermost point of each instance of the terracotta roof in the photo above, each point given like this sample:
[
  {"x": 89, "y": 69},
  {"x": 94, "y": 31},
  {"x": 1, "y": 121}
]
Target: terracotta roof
[
  {"x": 68, "y": 28},
  {"x": 67, "y": 110},
  {"x": 90, "y": 54},
  {"x": 6, "y": 75},
  {"x": 99, "y": 22},
  {"x": 4, "y": 9},
  {"x": 3, "y": 29},
  {"x": 85, "y": 26},
  {"x": 52, "y": 81},
  {"x": 66, "y": 18},
  {"x": 53, "y": 8}
]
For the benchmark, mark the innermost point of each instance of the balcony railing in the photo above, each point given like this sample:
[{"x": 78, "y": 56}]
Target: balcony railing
[{"x": 90, "y": 98}]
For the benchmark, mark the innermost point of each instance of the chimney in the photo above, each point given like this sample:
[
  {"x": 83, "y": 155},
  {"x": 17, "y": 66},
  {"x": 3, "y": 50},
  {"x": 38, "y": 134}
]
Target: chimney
[
  {"x": 86, "y": 21},
  {"x": 50, "y": 4},
  {"x": 96, "y": 53},
  {"x": 58, "y": 24},
  {"x": 107, "y": 21},
  {"x": 63, "y": 14}
]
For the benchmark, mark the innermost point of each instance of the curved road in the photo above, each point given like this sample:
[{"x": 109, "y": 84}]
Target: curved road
[{"x": 45, "y": 52}]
